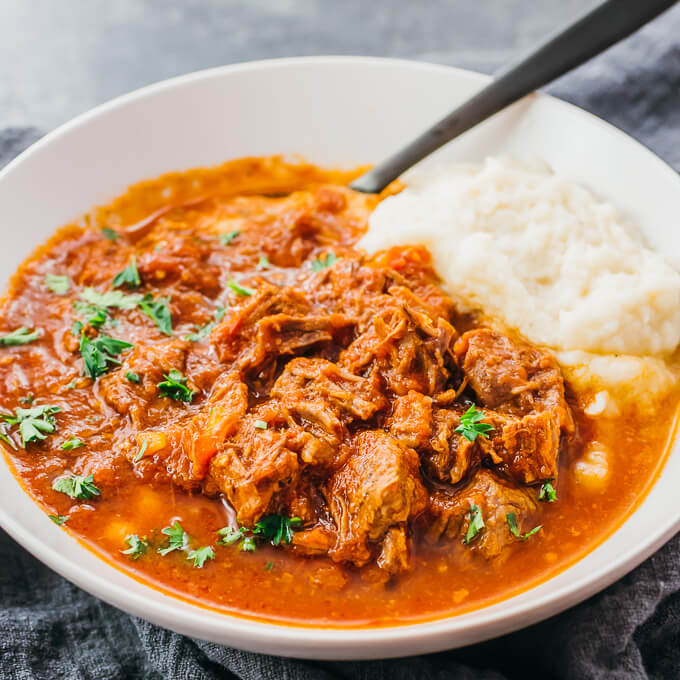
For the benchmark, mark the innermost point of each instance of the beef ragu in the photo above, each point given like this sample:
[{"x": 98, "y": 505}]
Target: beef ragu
[{"x": 209, "y": 385}]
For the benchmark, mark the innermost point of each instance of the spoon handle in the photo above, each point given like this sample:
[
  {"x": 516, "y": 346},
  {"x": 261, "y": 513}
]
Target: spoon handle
[{"x": 589, "y": 35}]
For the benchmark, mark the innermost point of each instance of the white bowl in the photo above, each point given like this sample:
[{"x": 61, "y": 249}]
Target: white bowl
[{"x": 336, "y": 111}]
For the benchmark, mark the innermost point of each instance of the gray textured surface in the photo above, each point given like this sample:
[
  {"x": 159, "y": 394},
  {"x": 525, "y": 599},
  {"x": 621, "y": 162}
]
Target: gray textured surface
[{"x": 58, "y": 57}]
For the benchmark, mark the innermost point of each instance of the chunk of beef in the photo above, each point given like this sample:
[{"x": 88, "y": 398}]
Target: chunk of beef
[
  {"x": 513, "y": 377},
  {"x": 450, "y": 457},
  {"x": 407, "y": 348},
  {"x": 524, "y": 385},
  {"x": 323, "y": 398},
  {"x": 395, "y": 552},
  {"x": 411, "y": 419},
  {"x": 449, "y": 512},
  {"x": 378, "y": 488},
  {"x": 252, "y": 468},
  {"x": 150, "y": 362}
]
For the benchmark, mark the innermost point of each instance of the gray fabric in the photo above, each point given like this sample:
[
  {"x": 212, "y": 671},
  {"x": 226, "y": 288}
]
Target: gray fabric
[{"x": 51, "y": 629}]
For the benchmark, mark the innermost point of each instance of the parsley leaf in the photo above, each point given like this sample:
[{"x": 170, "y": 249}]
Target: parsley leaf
[
  {"x": 269, "y": 566},
  {"x": 248, "y": 544},
  {"x": 58, "y": 519},
  {"x": 128, "y": 277},
  {"x": 263, "y": 262},
  {"x": 57, "y": 283},
  {"x": 201, "y": 333},
  {"x": 142, "y": 450},
  {"x": 323, "y": 262},
  {"x": 178, "y": 539},
  {"x": 476, "y": 522},
  {"x": 28, "y": 399},
  {"x": 174, "y": 386},
  {"x": 20, "y": 336},
  {"x": 99, "y": 354},
  {"x": 74, "y": 486},
  {"x": 94, "y": 306},
  {"x": 226, "y": 238},
  {"x": 158, "y": 311},
  {"x": 229, "y": 535},
  {"x": 34, "y": 423},
  {"x": 471, "y": 427},
  {"x": 73, "y": 443},
  {"x": 547, "y": 493},
  {"x": 138, "y": 546},
  {"x": 277, "y": 528},
  {"x": 200, "y": 555},
  {"x": 514, "y": 530},
  {"x": 5, "y": 438},
  {"x": 239, "y": 289},
  {"x": 109, "y": 233},
  {"x": 133, "y": 377},
  {"x": 260, "y": 425}
]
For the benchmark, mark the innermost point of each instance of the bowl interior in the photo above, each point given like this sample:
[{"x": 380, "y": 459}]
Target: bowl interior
[{"x": 342, "y": 112}]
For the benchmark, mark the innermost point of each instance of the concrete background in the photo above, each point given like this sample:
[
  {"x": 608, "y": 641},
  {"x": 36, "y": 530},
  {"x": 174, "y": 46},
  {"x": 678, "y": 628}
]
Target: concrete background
[{"x": 61, "y": 57}]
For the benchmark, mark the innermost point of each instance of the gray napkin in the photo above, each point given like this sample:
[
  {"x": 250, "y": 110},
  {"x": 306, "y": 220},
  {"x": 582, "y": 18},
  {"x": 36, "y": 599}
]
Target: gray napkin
[{"x": 51, "y": 629}]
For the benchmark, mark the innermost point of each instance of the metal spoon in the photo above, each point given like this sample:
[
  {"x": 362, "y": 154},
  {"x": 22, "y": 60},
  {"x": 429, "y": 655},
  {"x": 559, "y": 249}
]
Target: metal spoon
[{"x": 589, "y": 35}]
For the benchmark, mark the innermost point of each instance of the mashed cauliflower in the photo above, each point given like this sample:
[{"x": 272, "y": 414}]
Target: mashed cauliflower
[{"x": 540, "y": 253}]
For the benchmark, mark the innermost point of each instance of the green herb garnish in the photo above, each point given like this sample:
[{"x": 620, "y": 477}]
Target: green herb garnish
[
  {"x": 128, "y": 277},
  {"x": 201, "y": 333},
  {"x": 547, "y": 493},
  {"x": 277, "y": 528},
  {"x": 20, "y": 336},
  {"x": 99, "y": 354},
  {"x": 57, "y": 283},
  {"x": 73, "y": 443},
  {"x": 471, "y": 427},
  {"x": 324, "y": 262},
  {"x": 58, "y": 519},
  {"x": 269, "y": 566},
  {"x": 74, "y": 486},
  {"x": 260, "y": 425},
  {"x": 248, "y": 544},
  {"x": 94, "y": 306},
  {"x": 5, "y": 438},
  {"x": 476, "y": 522},
  {"x": 158, "y": 311},
  {"x": 34, "y": 423},
  {"x": 28, "y": 399},
  {"x": 142, "y": 450},
  {"x": 228, "y": 237},
  {"x": 138, "y": 546},
  {"x": 174, "y": 386},
  {"x": 133, "y": 377},
  {"x": 200, "y": 555},
  {"x": 514, "y": 530},
  {"x": 263, "y": 262},
  {"x": 239, "y": 289},
  {"x": 178, "y": 539},
  {"x": 229, "y": 535},
  {"x": 109, "y": 233}
]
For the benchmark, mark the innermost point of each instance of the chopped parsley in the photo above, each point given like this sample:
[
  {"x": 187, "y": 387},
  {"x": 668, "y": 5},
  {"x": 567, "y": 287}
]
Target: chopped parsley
[
  {"x": 72, "y": 385},
  {"x": 174, "y": 386},
  {"x": 547, "y": 493},
  {"x": 128, "y": 277},
  {"x": 137, "y": 546},
  {"x": 248, "y": 544},
  {"x": 201, "y": 332},
  {"x": 263, "y": 262},
  {"x": 269, "y": 566},
  {"x": 178, "y": 539},
  {"x": 78, "y": 327},
  {"x": 260, "y": 425},
  {"x": 239, "y": 289},
  {"x": 514, "y": 530},
  {"x": 57, "y": 283},
  {"x": 5, "y": 438},
  {"x": 20, "y": 336},
  {"x": 142, "y": 450},
  {"x": 133, "y": 377},
  {"x": 158, "y": 311},
  {"x": 471, "y": 427},
  {"x": 99, "y": 354},
  {"x": 324, "y": 262},
  {"x": 58, "y": 519},
  {"x": 28, "y": 399},
  {"x": 476, "y": 522},
  {"x": 94, "y": 306},
  {"x": 73, "y": 443},
  {"x": 200, "y": 555},
  {"x": 229, "y": 535},
  {"x": 219, "y": 313},
  {"x": 76, "y": 487},
  {"x": 109, "y": 233},
  {"x": 34, "y": 423},
  {"x": 277, "y": 528},
  {"x": 226, "y": 238}
]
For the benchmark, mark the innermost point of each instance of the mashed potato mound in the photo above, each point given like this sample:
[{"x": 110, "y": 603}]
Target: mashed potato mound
[{"x": 540, "y": 253}]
